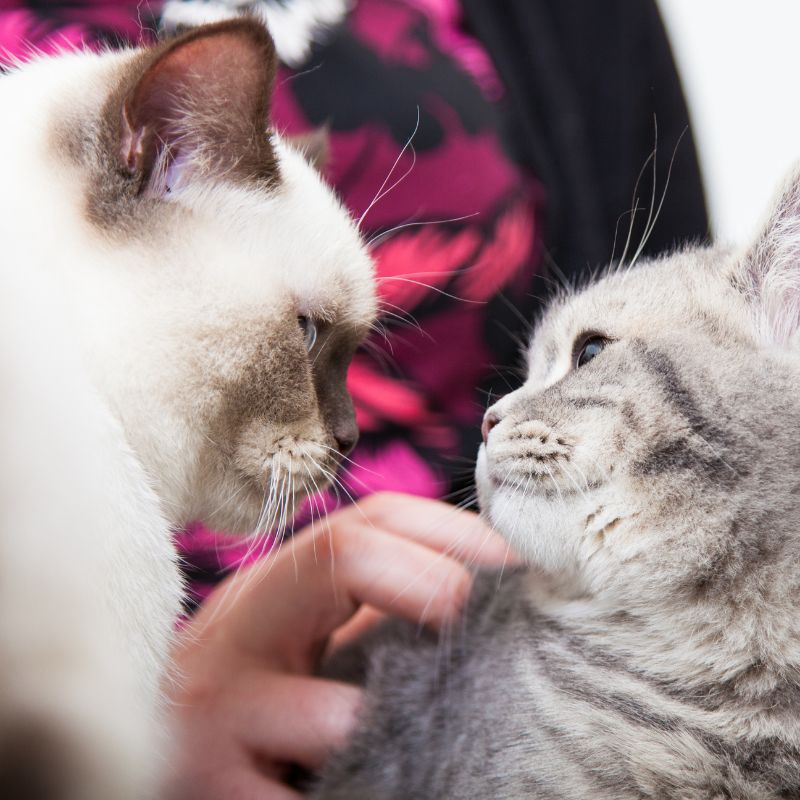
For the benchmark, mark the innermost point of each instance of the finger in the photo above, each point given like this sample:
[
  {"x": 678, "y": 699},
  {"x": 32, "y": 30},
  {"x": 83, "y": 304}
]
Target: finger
[
  {"x": 218, "y": 780},
  {"x": 246, "y": 784},
  {"x": 312, "y": 589},
  {"x": 292, "y": 719},
  {"x": 362, "y": 621},
  {"x": 389, "y": 572},
  {"x": 438, "y": 525}
]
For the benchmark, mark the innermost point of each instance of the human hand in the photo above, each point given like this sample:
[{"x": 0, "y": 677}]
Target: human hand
[{"x": 246, "y": 702}]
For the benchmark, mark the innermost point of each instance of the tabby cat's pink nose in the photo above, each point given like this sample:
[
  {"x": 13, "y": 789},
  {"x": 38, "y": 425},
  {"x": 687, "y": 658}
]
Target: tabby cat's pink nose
[{"x": 490, "y": 419}]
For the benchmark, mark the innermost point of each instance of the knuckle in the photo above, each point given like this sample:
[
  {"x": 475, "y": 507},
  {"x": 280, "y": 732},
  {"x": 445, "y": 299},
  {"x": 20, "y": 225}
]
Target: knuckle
[
  {"x": 345, "y": 542},
  {"x": 382, "y": 506},
  {"x": 458, "y": 586}
]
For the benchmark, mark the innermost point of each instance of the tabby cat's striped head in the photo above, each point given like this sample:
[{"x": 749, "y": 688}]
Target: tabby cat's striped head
[{"x": 658, "y": 422}]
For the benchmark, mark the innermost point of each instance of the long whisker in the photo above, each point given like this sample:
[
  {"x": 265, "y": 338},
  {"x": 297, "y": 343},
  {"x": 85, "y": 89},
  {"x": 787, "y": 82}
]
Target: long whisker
[
  {"x": 324, "y": 521},
  {"x": 435, "y": 289},
  {"x": 343, "y": 457},
  {"x": 635, "y": 205},
  {"x": 635, "y": 209},
  {"x": 380, "y": 193},
  {"x": 380, "y": 236},
  {"x": 272, "y": 539},
  {"x": 402, "y": 314},
  {"x": 649, "y": 230},
  {"x": 223, "y": 606},
  {"x": 653, "y": 194}
]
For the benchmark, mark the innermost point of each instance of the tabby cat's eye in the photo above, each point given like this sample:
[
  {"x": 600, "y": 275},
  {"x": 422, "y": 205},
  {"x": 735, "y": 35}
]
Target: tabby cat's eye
[
  {"x": 591, "y": 346},
  {"x": 309, "y": 329}
]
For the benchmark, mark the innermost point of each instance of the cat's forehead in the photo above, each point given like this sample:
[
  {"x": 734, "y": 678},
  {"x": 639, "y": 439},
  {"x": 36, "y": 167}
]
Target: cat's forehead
[
  {"x": 292, "y": 248},
  {"x": 324, "y": 261},
  {"x": 689, "y": 288}
]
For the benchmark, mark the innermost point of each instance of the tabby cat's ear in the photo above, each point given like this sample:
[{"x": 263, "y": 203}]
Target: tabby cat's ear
[
  {"x": 200, "y": 105},
  {"x": 770, "y": 271}
]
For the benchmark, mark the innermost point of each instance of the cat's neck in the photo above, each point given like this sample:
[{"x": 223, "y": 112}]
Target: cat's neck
[{"x": 748, "y": 643}]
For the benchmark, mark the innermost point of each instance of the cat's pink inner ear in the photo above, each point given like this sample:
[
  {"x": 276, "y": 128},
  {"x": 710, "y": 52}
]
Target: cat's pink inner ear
[
  {"x": 771, "y": 274},
  {"x": 204, "y": 97},
  {"x": 132, "y": 143}
]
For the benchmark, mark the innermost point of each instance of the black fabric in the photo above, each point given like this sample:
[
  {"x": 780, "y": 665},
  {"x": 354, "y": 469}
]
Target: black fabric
[{"x": 586, "y": 85}]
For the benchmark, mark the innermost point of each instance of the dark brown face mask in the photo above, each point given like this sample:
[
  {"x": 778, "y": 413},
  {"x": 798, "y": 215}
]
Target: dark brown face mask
[{"x": 330, "y": 382}]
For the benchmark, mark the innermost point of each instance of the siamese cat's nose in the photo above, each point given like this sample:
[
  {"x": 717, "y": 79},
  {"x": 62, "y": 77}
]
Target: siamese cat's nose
[{"x": 490, "y": 419}]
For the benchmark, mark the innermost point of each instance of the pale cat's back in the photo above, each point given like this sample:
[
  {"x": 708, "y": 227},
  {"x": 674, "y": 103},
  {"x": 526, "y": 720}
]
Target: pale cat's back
[
  {"x": 83, "y": 638},
  {"x": 648, "y": 472},
  {"x": 64, "y": 688}
]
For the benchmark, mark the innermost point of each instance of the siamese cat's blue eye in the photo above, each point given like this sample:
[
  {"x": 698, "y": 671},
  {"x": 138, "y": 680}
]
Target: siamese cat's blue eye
[
  {"x": 309, "y": 329},
  {"x": 591, "y": 347}
]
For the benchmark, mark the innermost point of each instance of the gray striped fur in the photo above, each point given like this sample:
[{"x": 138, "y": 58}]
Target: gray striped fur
[{"x": 651, "y": 646}]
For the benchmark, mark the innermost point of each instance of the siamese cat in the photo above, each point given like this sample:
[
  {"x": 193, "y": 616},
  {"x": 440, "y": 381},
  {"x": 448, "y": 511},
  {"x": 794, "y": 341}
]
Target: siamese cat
[{"x": 180, "y": 296}]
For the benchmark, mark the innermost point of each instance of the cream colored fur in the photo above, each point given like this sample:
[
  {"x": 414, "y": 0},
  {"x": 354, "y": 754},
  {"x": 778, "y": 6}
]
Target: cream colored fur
[{"x": 113, "y": 348}]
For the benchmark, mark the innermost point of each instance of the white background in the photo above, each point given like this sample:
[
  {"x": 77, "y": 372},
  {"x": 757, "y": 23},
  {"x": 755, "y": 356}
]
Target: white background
[{"x": 740, "y": 65}]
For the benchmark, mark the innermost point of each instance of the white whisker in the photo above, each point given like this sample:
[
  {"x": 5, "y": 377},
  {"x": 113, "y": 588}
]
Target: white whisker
[
  {"x": 380, "y": 193},
  {"x": 416, "y": 224}
]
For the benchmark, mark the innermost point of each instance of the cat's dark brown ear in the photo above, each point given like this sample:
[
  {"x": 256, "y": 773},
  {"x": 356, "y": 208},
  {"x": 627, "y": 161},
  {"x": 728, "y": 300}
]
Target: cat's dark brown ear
[
  {"x": 315, "y": 145},
  {"x": 769, "y": 273},
  {"x": 200, "y": 103}
]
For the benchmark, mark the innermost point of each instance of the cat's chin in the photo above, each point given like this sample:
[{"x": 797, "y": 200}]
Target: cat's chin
[
  {"x": 545, "y": 529},
  {"x": 253, "y": 511}
]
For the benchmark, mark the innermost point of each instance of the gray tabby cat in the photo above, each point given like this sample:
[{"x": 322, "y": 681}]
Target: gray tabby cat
[{"x": 648, "y": 471}]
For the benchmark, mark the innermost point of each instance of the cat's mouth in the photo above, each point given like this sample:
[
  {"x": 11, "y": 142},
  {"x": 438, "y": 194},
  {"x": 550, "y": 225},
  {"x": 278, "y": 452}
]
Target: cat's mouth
[
  {"x": 268, "y": 476},
  {"x": 529, "y": 458},
  {"x": 294, "y": 467}
]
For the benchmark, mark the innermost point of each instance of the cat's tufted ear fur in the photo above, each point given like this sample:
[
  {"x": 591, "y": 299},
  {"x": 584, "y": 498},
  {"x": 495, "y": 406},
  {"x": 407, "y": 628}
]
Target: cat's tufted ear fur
[
  {"x": 770, "y": 271},
  {"x": 199, "y": 104}
]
